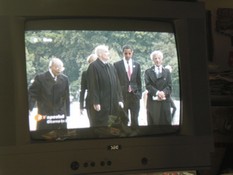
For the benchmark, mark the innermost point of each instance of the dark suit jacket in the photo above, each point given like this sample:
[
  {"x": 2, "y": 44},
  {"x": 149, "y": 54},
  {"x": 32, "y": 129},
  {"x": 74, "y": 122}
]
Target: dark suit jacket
[
  {"x": 154, "y": 84},
  {"x": 52, "y": 97},
  {"x": 83, "y": 89},
  {"x": 135, "y": 81},
  {"x": 159, "y": 109},
  {"x": 103, "y": 86}
]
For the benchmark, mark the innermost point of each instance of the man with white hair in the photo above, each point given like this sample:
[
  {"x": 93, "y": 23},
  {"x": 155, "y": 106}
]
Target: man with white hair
[
  {"x": 103, "y": 88},
  {"x": 159, "y": 86},
  {"x": 50, "y": 92}
]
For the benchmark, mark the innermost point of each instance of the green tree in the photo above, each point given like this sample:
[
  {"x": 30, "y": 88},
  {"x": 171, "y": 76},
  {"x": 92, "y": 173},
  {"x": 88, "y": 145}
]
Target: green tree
[{"x": 73, "y": 47}]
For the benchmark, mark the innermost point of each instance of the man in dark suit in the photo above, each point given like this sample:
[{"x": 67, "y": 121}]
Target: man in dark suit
[
  {"x": 103, "y": 88},
  {"x": 129, "y": 73},
  {"x": 50, "y": 91},
  {"x": 159, "y": 87}
]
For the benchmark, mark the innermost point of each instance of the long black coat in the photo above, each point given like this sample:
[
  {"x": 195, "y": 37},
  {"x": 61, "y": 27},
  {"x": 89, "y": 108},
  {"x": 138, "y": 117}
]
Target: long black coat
[
  {"x": 158, "y": 112},
  {"x": 103, "y": 89},
  {"x": 52, "y": 97}
]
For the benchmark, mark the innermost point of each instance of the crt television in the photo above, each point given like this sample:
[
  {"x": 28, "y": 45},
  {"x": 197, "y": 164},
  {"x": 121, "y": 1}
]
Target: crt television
[{"x": 31, "y": 30}]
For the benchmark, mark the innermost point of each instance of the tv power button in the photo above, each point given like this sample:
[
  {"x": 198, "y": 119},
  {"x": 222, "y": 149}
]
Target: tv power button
[{"x": 74, "y": 165}]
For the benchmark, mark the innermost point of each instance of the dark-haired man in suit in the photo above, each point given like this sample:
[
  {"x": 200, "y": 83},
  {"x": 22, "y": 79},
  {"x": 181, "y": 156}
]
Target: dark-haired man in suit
[
  {"x": 129, "y": 73},
  {"x": 50, "y": 91}
]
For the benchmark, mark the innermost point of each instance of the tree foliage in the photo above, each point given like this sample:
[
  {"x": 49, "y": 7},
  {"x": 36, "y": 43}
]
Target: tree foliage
[{"x": 74, "y": 46}]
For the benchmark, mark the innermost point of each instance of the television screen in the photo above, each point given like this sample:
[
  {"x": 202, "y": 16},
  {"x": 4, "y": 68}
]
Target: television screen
[{"x": 73, "y": 41}]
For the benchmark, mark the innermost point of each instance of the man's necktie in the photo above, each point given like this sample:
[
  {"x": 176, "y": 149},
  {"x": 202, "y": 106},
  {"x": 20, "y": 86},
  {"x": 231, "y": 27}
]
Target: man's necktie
[
  {"x": 129, "y": 76},
  {"x": 129, "y": 71},
  {"x": 159, "y": 74}
]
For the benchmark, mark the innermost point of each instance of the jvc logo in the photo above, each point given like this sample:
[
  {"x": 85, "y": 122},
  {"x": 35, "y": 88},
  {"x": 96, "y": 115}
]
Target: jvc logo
[{"x": 114, "y": 147}]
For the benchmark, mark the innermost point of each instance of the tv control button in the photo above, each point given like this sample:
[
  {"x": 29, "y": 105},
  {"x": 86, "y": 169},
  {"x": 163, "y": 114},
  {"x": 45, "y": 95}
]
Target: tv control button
[
  {"x": 109, "y": 163},
  {"x": 92, "y": 164},
  {"x": 102, "y": 163},
  {"x": 144, "y": 161},
  {"x": 85, "y": 164},
  {"x": 74, "y": 165}
]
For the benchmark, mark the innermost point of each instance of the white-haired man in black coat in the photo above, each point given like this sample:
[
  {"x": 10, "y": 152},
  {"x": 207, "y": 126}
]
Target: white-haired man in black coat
[{"x": 50, "y": 92}]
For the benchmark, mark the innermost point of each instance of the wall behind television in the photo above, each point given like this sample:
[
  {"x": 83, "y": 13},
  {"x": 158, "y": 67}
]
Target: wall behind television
[{"x": 222, "y": 44}]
